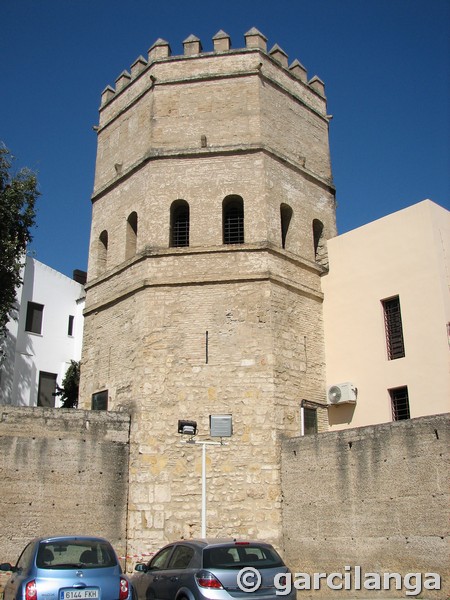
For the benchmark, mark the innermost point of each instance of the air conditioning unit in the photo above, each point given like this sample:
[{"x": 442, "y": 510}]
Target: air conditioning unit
[{"x": 342, "y": 393}]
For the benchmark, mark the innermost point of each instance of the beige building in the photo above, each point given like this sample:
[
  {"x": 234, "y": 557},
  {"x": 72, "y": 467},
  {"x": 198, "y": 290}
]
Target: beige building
[
  {"x": 212, "y": 204},
  {"x": 387, "y": 318}
]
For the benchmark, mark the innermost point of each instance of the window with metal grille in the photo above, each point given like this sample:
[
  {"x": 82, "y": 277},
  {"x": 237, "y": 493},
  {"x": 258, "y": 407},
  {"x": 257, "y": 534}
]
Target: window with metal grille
[
  {"x": 233, "y": 220},
  {"x": 394, "y": 328},
  {"x": 33, "y": 322},
  {"x": 179, "y": 224},
  {"x": 400, "y": 403}
]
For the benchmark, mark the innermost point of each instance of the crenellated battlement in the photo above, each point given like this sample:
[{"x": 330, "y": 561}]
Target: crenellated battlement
[{"x": 255, "y": 41}]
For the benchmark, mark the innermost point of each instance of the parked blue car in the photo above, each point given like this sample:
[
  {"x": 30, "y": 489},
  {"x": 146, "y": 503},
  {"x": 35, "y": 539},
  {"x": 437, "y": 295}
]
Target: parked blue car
[{"x": 67, "y": 568}]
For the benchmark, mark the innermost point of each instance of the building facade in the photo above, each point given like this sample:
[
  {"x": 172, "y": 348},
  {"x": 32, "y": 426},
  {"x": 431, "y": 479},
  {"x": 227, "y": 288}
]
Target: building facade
[
  {"x": 387, "y": 318},
  {"x": 212, "y": 204},
  {"x": 43, "y": 337}
]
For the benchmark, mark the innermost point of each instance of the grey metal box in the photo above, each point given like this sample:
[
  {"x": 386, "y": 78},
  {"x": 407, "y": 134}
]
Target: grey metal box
[{"x": 220, "y": 425}]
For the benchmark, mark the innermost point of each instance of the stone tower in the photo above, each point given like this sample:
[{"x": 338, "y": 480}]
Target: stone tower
[{"x": 212, "y": 204}]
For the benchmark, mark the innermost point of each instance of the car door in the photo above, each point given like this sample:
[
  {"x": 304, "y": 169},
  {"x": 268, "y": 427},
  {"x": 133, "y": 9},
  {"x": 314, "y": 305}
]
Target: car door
[
  {"x": 176, "y": 574},
  {"x": 148, "y": 584},
  {"x": 13, "y": 588}
]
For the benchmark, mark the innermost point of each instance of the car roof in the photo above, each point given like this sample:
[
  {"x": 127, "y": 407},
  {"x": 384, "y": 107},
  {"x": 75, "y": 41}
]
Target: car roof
[
  {"x": 71, "y": 538},
  {"x": 211, "y": 542}
]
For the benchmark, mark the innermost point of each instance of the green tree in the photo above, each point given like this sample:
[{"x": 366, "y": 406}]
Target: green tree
[
  {"x": 70, "y": 384},
  {"x": 18, "y": 194}
]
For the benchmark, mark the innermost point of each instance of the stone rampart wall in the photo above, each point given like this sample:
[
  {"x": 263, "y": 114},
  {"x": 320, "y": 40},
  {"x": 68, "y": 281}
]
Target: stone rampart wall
[
  {"x": 375, "y": 497},
  {"x": 63, "y": 471}
]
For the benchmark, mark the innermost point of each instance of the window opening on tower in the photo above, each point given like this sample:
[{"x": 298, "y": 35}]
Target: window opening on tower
[
  {"x": 233, "y": 220},
  {"x": 179, "y": 227}
]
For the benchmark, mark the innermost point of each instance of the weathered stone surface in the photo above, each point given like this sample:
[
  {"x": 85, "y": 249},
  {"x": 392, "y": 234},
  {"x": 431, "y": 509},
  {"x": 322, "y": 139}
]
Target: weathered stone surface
[
  {"x": 63, "y": 471},
  {"x": 186, "y": 332},
  {"x": 377, "y": 497}
]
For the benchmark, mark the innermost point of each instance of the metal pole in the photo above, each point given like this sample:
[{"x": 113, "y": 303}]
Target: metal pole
[
  {"x": 203, "y": 444},
  {"x": 204, "y": 491}
]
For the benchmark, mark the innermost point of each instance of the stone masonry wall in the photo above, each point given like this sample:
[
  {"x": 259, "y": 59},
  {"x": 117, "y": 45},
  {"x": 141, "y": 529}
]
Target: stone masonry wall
[
  {"x": 213, "y": 327},
  {"x": 376, "y": 497},
  {"x": 172, "y": 371},
  {"x": 63, "y": 471}
]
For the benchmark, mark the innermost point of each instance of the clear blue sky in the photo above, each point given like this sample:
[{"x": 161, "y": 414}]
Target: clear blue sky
[{"x": 385, "y": 64}]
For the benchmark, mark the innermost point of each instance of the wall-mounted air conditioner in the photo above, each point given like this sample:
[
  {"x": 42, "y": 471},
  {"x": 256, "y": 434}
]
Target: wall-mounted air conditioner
[{"x": 342, "y": 393}]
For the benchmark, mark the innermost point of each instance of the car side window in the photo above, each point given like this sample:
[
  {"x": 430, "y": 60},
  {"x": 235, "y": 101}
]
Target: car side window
[
  {"x": 25, "y": 558},
  {"x": 181, "y": 557},
  {"x": 160, "y": 560}
]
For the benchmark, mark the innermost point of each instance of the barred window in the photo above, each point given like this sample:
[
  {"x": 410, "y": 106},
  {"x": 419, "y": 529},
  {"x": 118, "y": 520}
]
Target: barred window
[
  {"x": 233, "y": 220},
  {"x": 400, "y": 403},
  {"x": 179, "y": 224},
  {"x": 394, "y": 328}
]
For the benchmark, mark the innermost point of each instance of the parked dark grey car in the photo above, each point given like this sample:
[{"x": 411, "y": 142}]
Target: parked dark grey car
[
  {"x": 211, "y": 570},
  {"x": 67, "y": 568}
]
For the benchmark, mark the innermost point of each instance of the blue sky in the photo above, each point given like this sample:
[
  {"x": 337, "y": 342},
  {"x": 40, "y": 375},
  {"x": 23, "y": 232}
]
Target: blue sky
[{"x": 385, "y": 64}]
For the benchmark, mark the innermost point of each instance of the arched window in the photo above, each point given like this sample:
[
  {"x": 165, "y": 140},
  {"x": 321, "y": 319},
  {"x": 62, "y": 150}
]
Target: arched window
[
  {"x": 102, "y": 251},
  {"x": 285, "y": 218},
  {"x": 233, "y": 220},
  {"x": 179, "y": 224},
  {"x": 319, "y": 243},
  {"x": 131, "y": 236}
]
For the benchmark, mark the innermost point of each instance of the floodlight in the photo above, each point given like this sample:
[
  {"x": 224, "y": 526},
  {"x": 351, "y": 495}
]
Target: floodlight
[{"x": 187, "y": 427}]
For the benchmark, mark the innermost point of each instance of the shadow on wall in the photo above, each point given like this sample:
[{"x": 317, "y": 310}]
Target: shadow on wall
[
  {"x": 25, "y": 392},
  {"x": 8, "y": 349},
  {"x": 341, "y": 414},
  {"x": 18, "y": 377},
  {"x": 17, "y": 373}
]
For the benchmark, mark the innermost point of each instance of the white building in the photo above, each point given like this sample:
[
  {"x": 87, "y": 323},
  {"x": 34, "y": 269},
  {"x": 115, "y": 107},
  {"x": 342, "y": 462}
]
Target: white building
[
  {"x": 44, "y": 339},
  {"x": 387, "y": 318}
]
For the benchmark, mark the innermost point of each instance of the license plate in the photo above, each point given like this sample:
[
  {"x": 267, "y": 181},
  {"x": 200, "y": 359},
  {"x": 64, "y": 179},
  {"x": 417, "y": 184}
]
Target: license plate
[{"x": 82, "y": 594}]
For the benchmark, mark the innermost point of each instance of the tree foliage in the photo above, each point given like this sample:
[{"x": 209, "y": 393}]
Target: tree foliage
[
  {"x": 18, "y": 194},
  {"x": 70, "y": 385}
]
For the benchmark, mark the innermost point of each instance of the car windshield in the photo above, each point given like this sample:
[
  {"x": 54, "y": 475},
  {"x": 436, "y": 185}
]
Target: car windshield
[
  {"x": 66, "y": 554},
  {"x": 237, "y": 556}
]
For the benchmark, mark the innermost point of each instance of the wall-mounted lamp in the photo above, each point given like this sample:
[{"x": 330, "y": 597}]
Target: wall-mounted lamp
[{"x": 187, "y": 427}]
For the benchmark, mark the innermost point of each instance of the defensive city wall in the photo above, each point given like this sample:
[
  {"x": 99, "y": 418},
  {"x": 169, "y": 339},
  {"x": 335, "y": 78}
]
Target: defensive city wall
[{"x": 377, "y": 497}]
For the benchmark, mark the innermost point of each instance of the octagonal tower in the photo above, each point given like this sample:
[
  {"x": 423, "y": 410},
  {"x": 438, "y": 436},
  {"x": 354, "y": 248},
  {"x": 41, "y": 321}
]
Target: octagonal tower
[{"x": 212, "y": 204}]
